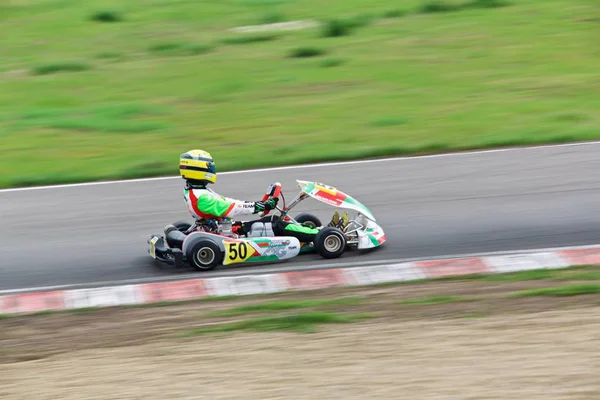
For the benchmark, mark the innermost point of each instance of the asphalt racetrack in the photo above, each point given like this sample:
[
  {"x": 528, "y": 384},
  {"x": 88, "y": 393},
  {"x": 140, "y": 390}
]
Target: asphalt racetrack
[{"x": 429, "y": 206}]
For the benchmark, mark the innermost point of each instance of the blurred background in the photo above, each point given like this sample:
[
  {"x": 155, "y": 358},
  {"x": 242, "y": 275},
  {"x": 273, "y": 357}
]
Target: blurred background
[{"x": 109, "y": 89}]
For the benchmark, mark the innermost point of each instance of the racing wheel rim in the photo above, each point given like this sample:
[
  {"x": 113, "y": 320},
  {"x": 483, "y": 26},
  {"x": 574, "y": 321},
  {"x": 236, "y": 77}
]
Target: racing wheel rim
[
  {"x": 204, "y": 256},
  {"x": 332, "y": 243}
]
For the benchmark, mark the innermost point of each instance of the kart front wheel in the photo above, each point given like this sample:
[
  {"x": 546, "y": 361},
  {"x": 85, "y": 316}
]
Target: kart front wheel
[
  {"x": 204, "y": 255},
  {"x": 330, "y": 242},
  {"x": 308, "y": 220}
]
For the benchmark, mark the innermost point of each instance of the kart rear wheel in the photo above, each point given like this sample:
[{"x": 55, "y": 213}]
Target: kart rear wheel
[
  {"x": 182, "y": 226},
  {"x": 308, "y": 220},
  {"x": 330, "y": 242},
  {"x": 204, "y": 255}
]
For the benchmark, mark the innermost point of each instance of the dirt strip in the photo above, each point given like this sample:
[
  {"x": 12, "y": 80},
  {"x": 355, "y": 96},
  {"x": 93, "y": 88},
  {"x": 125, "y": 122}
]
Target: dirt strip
[{"x": 491, "y": 347}]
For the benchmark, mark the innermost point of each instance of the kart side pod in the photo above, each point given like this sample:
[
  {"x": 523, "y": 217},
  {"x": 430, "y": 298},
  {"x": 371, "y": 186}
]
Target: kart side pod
[{"x": 206, "y": 251}]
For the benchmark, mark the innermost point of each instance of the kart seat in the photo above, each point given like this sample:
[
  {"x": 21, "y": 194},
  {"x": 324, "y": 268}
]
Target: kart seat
[
  {"x": 261, "y": 229},
  {"x": 174, "y": 236}
]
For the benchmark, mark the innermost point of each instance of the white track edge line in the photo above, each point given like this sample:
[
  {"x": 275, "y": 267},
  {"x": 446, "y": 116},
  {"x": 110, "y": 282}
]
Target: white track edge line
[
  {"x": 314, "y": 165},
  {"x": 302, "y": 267}
]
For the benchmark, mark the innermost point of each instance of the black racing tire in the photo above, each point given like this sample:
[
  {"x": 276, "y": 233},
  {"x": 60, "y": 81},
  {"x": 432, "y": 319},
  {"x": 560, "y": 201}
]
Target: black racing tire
[
  {"x": 308, "y": 218},
  {"x": 204, "y": 255},
  {"x": 330, "y": 242},
  {"x": 182, "y": 226}
]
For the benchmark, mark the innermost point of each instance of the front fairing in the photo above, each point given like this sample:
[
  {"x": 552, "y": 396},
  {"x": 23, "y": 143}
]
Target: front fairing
[
  {"x": 334, "y": 197},
  {"x": 370, "y": 236}
]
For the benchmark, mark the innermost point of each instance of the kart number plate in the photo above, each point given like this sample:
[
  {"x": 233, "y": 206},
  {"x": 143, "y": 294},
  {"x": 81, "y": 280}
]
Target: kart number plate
[
  {"x": 153, "y": 247},
  {"x": 326, "y": 189},
  {"x": 237, "y": 252}
]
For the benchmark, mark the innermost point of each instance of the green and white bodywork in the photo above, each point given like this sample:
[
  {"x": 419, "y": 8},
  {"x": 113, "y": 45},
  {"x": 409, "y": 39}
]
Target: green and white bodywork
[
  {"x": 362, "y": 230},
  {"x": 249, "y": 249}
]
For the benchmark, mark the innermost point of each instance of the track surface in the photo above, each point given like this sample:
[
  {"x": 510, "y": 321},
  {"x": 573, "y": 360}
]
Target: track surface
[{"x": 429, "y": 206}]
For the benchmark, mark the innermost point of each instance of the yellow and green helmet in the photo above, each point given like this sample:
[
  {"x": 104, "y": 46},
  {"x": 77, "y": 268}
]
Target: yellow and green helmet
[{"x": 197, "y": 165}]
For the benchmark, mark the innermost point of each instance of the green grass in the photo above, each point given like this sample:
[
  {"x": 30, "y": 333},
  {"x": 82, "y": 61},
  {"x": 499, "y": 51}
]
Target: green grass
[
  {"x": 561, "y": 291},
  {"x": 388, "y": 121},
  {"x": 118, "y": 118},
  {"x": 336, "y": 27},
  {"x": 394, "y": 13},
  {"x": 250, "y": 38},
  {"x": 440, "y": 299},
  {"x": 305, "y": 322},
  {"x": 436, "y": 6},
  {"x": 332, "y": 62},
  {"x": 532, "y": 275},
  {"x": 487, "y": 4},
  {"x": 59, "y": 67},
  {"x": 281, "y": 305},
  {"x": 272, "y": 17},
  {"x": 581, "y": 276},
  {"x": 106, "y": 16},
  {"x": 305, "y": 52},
  {"x": 179, "y": 49},
  {"x": 575, "y": 273},
  {"x": 487, "y": 74},
  {"x": 109, "y": 55},
  {"x": 570, "y": 274}
]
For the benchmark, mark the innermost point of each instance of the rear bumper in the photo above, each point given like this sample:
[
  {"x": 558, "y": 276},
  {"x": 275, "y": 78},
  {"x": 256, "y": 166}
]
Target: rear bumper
[{"x": 158, "y": 250}]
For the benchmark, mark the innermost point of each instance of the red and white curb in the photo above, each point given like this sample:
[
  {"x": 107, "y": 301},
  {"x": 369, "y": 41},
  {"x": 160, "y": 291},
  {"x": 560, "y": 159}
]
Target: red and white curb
[{"x": 146, "y": 293}]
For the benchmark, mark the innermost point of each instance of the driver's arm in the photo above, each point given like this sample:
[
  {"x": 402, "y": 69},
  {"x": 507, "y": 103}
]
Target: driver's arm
[
  {"x": 224, "y": 206},
  {"x": 221, "y": 206}
]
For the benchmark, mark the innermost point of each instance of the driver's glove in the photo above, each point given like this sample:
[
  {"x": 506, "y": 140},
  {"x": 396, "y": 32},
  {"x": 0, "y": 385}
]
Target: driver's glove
[{"x": 270, "y": 204}]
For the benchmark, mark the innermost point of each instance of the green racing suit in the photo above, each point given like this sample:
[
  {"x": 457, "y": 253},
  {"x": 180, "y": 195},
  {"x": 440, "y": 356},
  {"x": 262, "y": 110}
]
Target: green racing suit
[{"x": 205, "y": 203}]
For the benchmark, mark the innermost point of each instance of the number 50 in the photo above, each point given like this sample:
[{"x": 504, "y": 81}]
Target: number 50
[{"x": 237, "y": 250}]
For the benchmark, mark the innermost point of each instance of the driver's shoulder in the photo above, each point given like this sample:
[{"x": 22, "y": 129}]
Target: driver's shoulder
[{"x": 209, "y": 193}]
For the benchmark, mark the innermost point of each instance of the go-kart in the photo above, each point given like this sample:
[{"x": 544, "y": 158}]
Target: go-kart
[{"x": 206, "y": 244}]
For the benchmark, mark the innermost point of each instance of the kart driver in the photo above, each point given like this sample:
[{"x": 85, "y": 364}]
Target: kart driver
[{"x": 197, "y": 167}]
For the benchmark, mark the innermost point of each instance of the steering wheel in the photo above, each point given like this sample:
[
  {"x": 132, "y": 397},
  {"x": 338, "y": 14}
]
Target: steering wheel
[{"x": 274, "y": 190}]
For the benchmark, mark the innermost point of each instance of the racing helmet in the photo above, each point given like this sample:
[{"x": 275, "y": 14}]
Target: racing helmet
[{"x": 197, "y": 165}]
